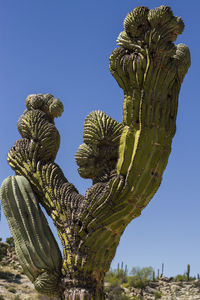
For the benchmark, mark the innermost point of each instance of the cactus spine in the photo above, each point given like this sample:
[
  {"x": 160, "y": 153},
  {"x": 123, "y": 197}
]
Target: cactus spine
[{"x": 124, "y": 160}]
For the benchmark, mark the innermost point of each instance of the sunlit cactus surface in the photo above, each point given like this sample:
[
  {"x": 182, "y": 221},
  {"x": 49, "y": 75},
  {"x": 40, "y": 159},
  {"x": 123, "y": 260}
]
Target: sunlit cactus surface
[{"x": 125, "y": 161}]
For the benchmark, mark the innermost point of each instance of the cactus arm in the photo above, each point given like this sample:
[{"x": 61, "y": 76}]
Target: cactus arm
[
  {"x": 150, "y": 69},
  {"x": 33, "y": 155},
  {"x": 59, "y": 197},
  {"x": 36, "y": 248}
]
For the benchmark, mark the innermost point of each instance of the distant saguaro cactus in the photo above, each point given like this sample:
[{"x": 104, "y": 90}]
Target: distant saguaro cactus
[
  {"x": 124, "y": 160},
  {"x": 188, "y": 272},
  {"x": 162, "y": 273}
]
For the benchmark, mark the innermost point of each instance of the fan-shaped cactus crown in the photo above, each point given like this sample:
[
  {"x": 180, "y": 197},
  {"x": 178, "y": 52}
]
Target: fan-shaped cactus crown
[
  {"x": 148, "y": 33},
  {"x": 99, "y": 153}
]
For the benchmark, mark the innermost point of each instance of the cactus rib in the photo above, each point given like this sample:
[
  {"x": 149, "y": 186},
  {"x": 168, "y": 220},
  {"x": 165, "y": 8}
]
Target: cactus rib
[{"x": 35, "y": 245}]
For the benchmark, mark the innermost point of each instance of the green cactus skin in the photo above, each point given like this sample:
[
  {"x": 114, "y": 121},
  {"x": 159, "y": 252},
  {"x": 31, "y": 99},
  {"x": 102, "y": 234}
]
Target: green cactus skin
[
  {"x": 162, "y": 270},
  {"x": 188, "y": 272},
  {"x": 125, "y": 161},
  {"x": 35, "y": 245}
]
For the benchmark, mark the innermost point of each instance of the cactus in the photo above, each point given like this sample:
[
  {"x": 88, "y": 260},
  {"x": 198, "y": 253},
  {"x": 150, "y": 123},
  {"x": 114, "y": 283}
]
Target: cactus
[
  {"x": 188, "y": 272},
  {"x": 124, "y": 160},
  {"x": 118, "y": 268},
  {"x": 126, "y": 270},
  {"x": 154, "y": 276},
  {"x": 35, "y": 244},
  {"x": 122, "y": 266},
  {"x": 162, "y": 270}
]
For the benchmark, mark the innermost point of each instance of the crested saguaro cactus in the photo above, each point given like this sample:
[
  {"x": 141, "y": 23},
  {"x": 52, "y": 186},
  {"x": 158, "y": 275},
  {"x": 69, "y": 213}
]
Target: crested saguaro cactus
[{"x": 124, "y": 160}]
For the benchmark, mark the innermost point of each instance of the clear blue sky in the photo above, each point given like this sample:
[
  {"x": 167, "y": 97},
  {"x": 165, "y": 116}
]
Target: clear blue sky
[{"x": 63, "y": 47}]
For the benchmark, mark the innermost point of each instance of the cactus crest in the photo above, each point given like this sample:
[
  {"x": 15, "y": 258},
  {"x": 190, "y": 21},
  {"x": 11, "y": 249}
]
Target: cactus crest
[{"x": 98, "y": 155}]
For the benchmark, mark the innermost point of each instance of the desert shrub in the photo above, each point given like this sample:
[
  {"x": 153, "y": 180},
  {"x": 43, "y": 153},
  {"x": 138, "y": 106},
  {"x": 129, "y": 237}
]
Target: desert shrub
[
  {"x": 157, "y": 295},
  {"x": 6, "y": 275},
  {"x": 115, "y": 292},
  {"x": 17, "y": 297},
  {"x": 10, "y": 241},
  {"x": 140, "y": 277},
  {"x": 116, "y": 276},
  {"x": 180, "y": 277},
  {"x": 12, "y": 290},
  {"x": 3, "y": 250},
  {"x": 109, "y": 276},
  {"x": 183, "y": 277},
  {"x": 121, "y": 274},
  {"x": 125, "y": 284}
]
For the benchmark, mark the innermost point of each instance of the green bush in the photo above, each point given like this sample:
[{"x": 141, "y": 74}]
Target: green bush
[
  {"x": 125, "y": 285},
  {"x": 183, "y": 277},
  {"x": 3, "y": 250},
  {"x": 157, "y": 295},
  {"x": 6, "y": 275},
  {"x": 10, "y": 241},
  {"x": 116, "y": 276},
  {"x": 180, "y": 277},
  {"x": 12, "y": 290},
  {"x": 17, "y": 297},
  {"x": 115, "y": 292},
  {"x": 141, "y": 277},
  {"x": 18, "y": 276}
]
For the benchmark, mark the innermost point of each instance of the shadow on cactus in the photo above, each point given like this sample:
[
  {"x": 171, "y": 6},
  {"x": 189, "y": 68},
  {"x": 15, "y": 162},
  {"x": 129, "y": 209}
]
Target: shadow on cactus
[{"x": 125, "y": 162}]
